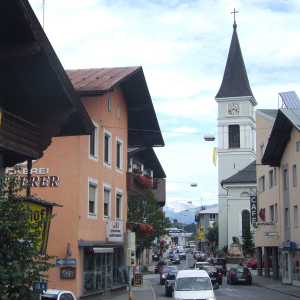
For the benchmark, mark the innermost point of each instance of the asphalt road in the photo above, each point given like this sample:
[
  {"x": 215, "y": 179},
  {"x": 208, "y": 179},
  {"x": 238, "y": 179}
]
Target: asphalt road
[{"x": 226, "y": 291}]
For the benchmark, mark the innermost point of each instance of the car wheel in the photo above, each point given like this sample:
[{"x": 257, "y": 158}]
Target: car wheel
[
  {"x": 254, "y": 267},
  {"x": 250, "y": 283}
]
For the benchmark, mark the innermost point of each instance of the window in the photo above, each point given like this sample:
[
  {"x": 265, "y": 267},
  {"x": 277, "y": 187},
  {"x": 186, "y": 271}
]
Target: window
[
  {"x": 119, "y": 195},
  {"x": 296, "y": 216},
  {"x": 106, "y": 200},
  {"x": 109, "y": 103},
  {"x": 286, "y": 218},
  {"x": 262, "y": 150},
  {"x": 119, "y": 155},
  {"x": 272, "y": 213},
  {"x": 93, "y": 149},
  {"x": 118, "y": 111},
  {"x": 271, "y": 182},
  {"x": 275, "y": 176},
  {"x": 294, "y": 175},
  {"x": 276, "y": 213},
  {"x": 92, "y": 196},
  {"x": 234, "y": 136},
  {"x": 297, "y": 146},
  {"x": 245, "y": 220},
  {"x": 285, "y": 179},
  {"x": 261, "y": 183},
  {"x": 107, "y": 148}
]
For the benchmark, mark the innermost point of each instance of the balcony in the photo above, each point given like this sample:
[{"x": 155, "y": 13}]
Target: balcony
[
  {"x": 134, "y": 189},
  {"x": 18, "y": 136}
]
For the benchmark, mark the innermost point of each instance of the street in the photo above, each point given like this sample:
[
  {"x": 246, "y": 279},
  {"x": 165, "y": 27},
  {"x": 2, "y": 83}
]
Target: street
[{"x": 226, "y": 291}]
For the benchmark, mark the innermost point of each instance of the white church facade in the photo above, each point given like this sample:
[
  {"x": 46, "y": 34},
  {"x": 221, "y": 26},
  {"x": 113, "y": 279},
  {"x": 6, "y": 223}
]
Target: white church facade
[{"x": 236, "y": 143}]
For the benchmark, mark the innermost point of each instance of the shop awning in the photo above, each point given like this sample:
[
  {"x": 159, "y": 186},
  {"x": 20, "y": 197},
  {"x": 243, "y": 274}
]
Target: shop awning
[{"x": 103, "y": 250}]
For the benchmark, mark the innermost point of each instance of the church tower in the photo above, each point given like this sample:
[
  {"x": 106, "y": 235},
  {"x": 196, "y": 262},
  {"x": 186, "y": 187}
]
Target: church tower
[{"x": 236, "y": 127}]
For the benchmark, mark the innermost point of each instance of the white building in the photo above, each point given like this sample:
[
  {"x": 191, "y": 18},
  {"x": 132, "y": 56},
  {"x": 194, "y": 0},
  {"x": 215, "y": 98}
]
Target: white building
[{"x": 236, "y": 129}]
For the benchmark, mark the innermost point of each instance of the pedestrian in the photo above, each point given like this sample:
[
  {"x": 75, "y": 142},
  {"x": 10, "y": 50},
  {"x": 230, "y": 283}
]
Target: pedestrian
[{"x": 241, "y": 262}]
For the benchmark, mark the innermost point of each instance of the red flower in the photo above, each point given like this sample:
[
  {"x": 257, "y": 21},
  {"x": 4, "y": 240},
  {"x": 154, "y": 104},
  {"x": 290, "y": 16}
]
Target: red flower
[{"x": 145, "y": 228}]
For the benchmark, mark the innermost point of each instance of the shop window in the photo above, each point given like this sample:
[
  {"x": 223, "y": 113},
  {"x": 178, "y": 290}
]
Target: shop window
[{"x": 93, "y": 147}]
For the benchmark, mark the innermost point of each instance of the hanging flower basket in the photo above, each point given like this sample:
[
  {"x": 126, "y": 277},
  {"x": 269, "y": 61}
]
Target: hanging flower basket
[
  {"x": 144, "y": 181},
  {"x": 145, "y": 228}
]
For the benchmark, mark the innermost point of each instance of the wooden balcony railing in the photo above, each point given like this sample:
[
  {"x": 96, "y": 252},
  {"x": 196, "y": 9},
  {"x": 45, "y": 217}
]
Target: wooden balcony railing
[
  {"x": 134, "y": 189},
  {"x": 18, "y": 135}
]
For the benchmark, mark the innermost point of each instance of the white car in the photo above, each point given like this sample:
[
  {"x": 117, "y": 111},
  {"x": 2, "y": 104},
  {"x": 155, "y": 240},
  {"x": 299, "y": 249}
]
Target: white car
[
  {"x": 58, "y": 294},
  {"x": 193, "y": 284}
]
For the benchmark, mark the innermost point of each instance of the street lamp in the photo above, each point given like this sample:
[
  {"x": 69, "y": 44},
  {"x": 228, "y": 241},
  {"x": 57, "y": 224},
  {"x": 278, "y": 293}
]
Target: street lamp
[{"x": 209, "y": 137}]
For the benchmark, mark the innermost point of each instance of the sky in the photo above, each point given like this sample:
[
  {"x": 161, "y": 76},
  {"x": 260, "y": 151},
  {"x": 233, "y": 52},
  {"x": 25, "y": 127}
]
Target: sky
[{"x": 182, "y": 46}]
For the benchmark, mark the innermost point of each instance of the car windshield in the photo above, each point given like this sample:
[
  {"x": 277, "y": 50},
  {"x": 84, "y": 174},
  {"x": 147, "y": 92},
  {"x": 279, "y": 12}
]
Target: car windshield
[
  {"x": 241, "y": 270},
  {"x": 193, "y": 284},
  {"x": 219, "y": 262},
  {"x": 210, "y": 269}
]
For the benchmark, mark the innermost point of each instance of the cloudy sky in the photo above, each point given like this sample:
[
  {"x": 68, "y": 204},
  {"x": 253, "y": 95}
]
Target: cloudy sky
[{"x": 182, "y": 46}]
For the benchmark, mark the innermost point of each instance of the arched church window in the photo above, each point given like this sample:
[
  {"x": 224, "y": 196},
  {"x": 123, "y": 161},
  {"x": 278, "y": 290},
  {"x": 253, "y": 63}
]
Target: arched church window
[
  {"x": 245, "y": 219},
  {"x": 234, "y": 136}
]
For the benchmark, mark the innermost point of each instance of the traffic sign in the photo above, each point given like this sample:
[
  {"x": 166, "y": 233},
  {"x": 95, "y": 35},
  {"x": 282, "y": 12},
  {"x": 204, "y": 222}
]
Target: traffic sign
[
  {"x": 201, "y": 236},
  {"x": 39, "y": 286},
  {"x": 201, "y": 230},
  {"x": 64, "y": 262}
]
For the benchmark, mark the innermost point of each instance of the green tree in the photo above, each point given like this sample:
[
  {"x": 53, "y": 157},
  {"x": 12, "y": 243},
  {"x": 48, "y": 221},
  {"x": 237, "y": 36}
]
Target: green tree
[
  {"x": 20, "y": 263},
  {"x": 175, "y": 221},
  {"x": 247, "y": 239},
  {"x": 146, "y": 210},
  {"x": 190, "y": 228},
  {"x": 213, "y": 235}
]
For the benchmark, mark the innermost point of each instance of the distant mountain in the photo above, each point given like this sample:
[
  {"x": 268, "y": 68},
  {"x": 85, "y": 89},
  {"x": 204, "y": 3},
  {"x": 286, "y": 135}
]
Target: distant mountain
[{"x": 182, "y": 211}]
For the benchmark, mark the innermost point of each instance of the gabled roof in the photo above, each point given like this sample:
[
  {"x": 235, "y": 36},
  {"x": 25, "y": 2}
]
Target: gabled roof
[
  {"x": 246, "y": 175},
  {"x": 213, "y": 210},
  {"x": 286, "y": 120},
  {"x": 269, "y": 114},
  {"x": 235, "y": 81},
  {"x": 143, "y": 126},
  {"x": 147, "y": 157}
]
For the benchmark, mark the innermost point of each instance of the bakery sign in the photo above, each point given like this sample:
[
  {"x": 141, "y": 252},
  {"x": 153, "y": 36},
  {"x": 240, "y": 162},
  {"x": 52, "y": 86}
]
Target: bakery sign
[
  {"x": 40, "y": 177},
  {"x": 114, "y": 231}
]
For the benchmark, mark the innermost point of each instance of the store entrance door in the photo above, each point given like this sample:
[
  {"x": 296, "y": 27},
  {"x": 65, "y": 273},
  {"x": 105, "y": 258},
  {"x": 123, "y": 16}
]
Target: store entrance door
[{"x": 286, "y": 267}]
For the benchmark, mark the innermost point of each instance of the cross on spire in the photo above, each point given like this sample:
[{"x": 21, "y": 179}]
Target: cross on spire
[{"x": 234, "y": 12}]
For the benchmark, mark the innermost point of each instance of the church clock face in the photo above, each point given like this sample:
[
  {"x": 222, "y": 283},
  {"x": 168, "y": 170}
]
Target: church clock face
[{"x": 233, "y": 109}]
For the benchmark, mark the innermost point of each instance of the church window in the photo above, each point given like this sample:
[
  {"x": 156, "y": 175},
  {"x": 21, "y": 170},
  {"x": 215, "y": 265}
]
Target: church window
[
  {"x": 234, "y": 136},
  {"x": 245, "y": 220}
]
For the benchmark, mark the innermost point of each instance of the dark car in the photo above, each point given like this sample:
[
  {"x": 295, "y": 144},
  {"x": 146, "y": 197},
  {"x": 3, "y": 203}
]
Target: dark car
[
  {"x": 164, "y": 272},
  {"x": 169, "y": 283},
  {"x": 214, "y": 274},
  {"x": 201, "y": 257},
  {"x": 220, "y": 264},
  {"x": 175, "y": 259},
  {"x": 252, "y": 263},
  {"x": 155, "y": 256},
  {"x": 239, "y": 275},
  {"x": 162, "y": 263}
]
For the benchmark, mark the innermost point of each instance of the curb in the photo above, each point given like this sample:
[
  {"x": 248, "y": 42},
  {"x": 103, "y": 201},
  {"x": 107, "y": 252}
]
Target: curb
[{"x": 263, "y": 286}]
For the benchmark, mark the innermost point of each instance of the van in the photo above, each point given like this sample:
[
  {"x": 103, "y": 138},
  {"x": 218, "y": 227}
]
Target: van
[{"x": 193, "y": 284}]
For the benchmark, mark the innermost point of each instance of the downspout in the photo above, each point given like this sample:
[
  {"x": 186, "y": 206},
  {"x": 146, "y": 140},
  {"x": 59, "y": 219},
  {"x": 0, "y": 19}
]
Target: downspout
[{"x": 227, "y": 209}]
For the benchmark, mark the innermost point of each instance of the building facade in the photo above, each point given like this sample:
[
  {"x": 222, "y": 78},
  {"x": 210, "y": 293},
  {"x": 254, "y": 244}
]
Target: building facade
[{"x": 236, "y": 128}]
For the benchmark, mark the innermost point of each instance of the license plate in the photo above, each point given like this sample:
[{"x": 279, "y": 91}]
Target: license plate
[
  {"x": 212, "y": 278},
  {"x": 242, "y": 279}
]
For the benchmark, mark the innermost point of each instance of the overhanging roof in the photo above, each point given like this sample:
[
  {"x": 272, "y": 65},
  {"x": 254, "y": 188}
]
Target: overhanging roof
[
  {"x": 33, "y": 83},
  {"x": 285, "y": 121},
  {"x": 143, "y": 127}
]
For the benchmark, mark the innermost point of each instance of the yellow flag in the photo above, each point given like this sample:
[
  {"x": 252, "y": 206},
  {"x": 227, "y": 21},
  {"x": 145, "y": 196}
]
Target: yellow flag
[{"x": 214, "y": 155}]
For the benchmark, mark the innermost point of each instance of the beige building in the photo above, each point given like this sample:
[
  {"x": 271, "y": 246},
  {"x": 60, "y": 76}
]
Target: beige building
[{"x": 277, "y": 235}]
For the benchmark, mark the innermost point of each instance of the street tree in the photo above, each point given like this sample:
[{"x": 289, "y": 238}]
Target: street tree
[
  {"x": 247, "y": 239},
  {"x": 213, "y": 235},
  {"x": 20, "y": 261},
  {"x": 146, "y": 210}
]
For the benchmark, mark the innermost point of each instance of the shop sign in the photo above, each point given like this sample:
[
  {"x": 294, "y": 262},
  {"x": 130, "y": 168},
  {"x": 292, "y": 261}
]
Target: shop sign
[
  {"x": 201, "y": 236},
  {"x": 201, "y": 230},
  {"x": 39, "y": 177},
  {"x": 115, "y": 231},
  {"x": 255, "y": 224},
  {"x": 273, "y": 235},
  {"x": 253, "y": 208}
]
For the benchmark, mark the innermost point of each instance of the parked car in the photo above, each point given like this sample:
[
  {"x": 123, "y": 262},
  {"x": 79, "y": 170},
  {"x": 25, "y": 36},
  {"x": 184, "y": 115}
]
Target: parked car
[
  {"x": 164, "y": 272},
  {"x": 252, "y": 263},
  {"x": 199, "y": 265},
  {"x": 169, "y": 283},
  {"x": 239, "y": 275},
  {"x": 193, "y": 284},
  {"x": 182, "y": 255},
  {"x": 175, "y": 259},
  {"x": 220, "y": 264},
  {"x": 214, "y": 274},
  {"x": 162, "y": 263},
  {"x": 58, "y": 294}
]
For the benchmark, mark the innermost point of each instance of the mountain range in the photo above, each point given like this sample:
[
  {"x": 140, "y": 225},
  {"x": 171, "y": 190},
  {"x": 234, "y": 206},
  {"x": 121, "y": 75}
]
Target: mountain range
[{"x": 182, "y": 211}]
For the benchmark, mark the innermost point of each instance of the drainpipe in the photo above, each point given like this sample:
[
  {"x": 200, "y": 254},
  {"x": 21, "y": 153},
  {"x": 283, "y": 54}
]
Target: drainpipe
[{"x": 227, "y": 210}]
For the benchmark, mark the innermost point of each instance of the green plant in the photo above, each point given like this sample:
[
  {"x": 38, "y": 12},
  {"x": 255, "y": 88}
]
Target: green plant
[
  {"x": 225, "y": 248},
  {"x": 20, "y": 261},
  {"x": 247, "y": 238},
  {"x": 145, "y": 269}
]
